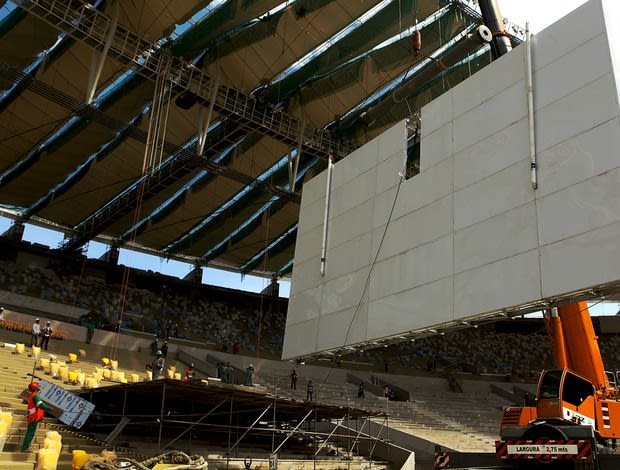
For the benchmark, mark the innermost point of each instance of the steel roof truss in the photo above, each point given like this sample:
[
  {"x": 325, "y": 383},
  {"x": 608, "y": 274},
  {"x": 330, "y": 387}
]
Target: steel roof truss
[
  {"x": 96, "y": 69},
  {"x": 90, "y": 25},
  {"x": 203, "y": 125}
]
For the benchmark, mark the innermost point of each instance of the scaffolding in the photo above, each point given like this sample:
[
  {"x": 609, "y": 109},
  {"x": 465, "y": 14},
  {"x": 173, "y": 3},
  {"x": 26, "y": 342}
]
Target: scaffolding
[{"x": 94, "y": 28}]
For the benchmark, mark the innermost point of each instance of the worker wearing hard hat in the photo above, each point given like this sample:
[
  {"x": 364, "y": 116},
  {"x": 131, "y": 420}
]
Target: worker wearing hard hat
[
  {"x": 158, "y": 364},
  {"x": 36, "y": 413}
]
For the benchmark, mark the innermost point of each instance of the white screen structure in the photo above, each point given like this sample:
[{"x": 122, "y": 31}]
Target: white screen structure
[{"x": 470, "y": 234}]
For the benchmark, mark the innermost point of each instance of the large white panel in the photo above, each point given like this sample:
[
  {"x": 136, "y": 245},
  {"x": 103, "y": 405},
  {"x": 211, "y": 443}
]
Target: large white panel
[
  {"x": 308, "y": 244},
  {"x": 430, "y": 304},
  {"x": 393, "y": 141},
  {"x": 343, "y": 327},
  {"x": 580, "y": 158},
  {"x": 435, "y": 147},
  {"x": 352, "y": 193},
  {"x": 506, "y": 108},
  {"x": 580, "y": 208},
  {"x": 307, "y": 275},
  {"x": 502, "y": 236},
  {"x": 489, "y": 82},
  {"x": 418, "y": 266},
  {"x": 575, "y": 113},
  {"x": 424, "y": 188},
  {"x": 498, "y": 285},
  {"x": 351, "y": 224},
  {"x": 437, "y": 113},
  {"x": 469, "y": 235},
  {"x": 389, "y": 171},
  {"x": 580, "y": 262},
  {"x": 348, "y": 257},
  {"x": 362, "y": 160},
  {"x": 306, "y": 306},
  {"x": 568, "y": 33},
  {"x": 414, "y": 229},
  {"x": 568, "y": 73},
  {"x": 383, "y": 207},
  {"x": 612, "y": 13},
  {"x": 313, "y": 190},
  {"x": 344, "y": 292},
  {"x": 497, "y": 152},
  {"x": 300, "y": 339},
  {"x": 493, "y": 195},
  {"x": 313, "y": 214}
]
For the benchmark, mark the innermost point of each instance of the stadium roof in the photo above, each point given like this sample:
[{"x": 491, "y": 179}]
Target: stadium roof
[{"x": 187, "y": 128}]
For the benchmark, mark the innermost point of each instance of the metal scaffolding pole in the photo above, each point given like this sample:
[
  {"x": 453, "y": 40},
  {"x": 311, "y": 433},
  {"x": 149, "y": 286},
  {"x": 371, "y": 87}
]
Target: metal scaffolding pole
[
  {"x": 161, "y": 415},
  {"x": 249, "y": 429},
  {"x": 194, "y": 424},
  {"x": 91, "y": 26},
  {"x": 293, "y": 431}
]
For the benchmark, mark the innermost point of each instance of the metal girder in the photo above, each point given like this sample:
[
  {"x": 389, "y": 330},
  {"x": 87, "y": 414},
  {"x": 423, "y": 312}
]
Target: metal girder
[
  {"x": 302, "y": 421},
  {"x": 435, "y": 65},
  {"x": 186, "y": 161},
  {"x": 90, "y": 26},
  {"x": 194, "y": 424},
  {"x": 97, "y": 65},
  {"x": 249, "y": 429},
  {"x": 205, "y": 119}
]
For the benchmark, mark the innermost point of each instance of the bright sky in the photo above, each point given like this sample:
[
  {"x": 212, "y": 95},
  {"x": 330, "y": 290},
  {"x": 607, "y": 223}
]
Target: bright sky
[
  {"x": 214, "y": 277},
  {"x": 539, "y": 13}
]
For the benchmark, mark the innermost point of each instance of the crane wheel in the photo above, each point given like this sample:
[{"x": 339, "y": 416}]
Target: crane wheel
[{"x": 546, "y": 431}]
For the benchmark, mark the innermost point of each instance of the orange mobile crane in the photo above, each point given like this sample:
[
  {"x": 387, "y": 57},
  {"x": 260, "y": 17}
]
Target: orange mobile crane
[{"x": 576, "y": 416}]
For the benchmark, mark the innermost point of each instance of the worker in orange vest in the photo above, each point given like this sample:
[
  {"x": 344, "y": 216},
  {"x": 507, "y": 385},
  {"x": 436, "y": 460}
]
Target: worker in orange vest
[{"x": 36, "y": 409}]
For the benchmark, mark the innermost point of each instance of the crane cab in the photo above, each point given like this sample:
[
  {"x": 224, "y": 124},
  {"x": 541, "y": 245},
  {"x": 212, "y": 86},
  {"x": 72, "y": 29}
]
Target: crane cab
[{"x": 565, "y": 396}]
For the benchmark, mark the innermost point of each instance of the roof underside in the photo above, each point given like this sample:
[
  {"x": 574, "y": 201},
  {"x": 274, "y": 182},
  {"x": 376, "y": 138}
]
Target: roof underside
[{"x": 120, "y": 160}]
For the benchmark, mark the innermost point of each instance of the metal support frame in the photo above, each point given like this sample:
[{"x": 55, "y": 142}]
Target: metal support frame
[
  {"x": 249, "y": 429},
  {"x": 194, "y": 424},
  {"x": 293, "y": 164},
  {"x": 97, "y": 66},
  {"x": 383, "y": 425},
  {"x": 161, "y": 415},
  {"x": 338, "y": 423},
  {"x": 90, "y": 26},
  {"x": 293, "y": 431},
  {"x": 357, "y": 436},
  {"x": 158, "y": 122},
  {"x": 203, "y": 126}
]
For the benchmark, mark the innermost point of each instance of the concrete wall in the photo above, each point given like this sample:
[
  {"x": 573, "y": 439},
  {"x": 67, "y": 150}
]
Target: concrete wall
[
  {"x": 42, "y": 306},
  {"x": 469, "y": 234}
]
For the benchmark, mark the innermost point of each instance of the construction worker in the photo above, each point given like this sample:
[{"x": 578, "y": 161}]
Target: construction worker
[
  {"x": 249, "y": 374},
  {"x": 158, "y": 364},
  {"x": 36, "y": 409},
  {"x": 35, "y": 333},
  {"x": 46, "y": 334},
  {"x": 189, "y": 374}
]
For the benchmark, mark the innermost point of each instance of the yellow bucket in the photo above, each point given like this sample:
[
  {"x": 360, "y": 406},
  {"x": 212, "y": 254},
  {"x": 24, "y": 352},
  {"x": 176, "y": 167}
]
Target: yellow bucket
[
  {"x": 79, "y": 458},
  {"x": 47, "y": 459}
]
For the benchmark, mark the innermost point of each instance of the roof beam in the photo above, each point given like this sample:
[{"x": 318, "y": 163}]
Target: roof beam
[
  {"x": 91, "y": 26},
  {"x": 186, "y": 161}
]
